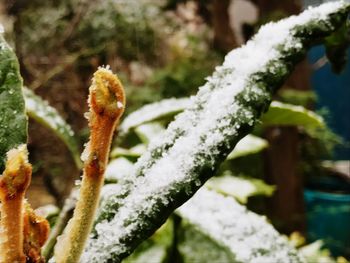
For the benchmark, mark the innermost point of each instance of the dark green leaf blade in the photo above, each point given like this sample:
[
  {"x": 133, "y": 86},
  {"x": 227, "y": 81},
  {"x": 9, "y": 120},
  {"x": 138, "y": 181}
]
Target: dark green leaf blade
[{"x": 13, "y": 118}]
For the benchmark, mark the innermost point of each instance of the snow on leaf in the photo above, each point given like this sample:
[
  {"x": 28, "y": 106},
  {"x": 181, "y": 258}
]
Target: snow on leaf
[
  {"x": 224, "y": 110},
  {"x": 245, "y": 234},
  {"x": 133, "y": 152},
  {"x": 118, "y": 169},
  {"x": 149, "y": 131},
  {"x": 153, "y": 112}
]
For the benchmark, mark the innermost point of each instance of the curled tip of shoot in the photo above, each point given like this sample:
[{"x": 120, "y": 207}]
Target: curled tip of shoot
[
  {"x": 106, "y": 94},
  {"x": 17, "y": 174}
]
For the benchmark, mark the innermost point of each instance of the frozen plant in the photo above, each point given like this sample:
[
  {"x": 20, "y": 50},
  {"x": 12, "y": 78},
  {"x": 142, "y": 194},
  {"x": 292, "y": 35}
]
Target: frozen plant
[{"x": 176, "y": 164}]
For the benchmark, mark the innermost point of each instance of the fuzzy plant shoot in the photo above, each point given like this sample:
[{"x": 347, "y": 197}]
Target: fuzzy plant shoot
[
  {"x": 106, "y": 101},
  {"x": 13, "y": 185}
]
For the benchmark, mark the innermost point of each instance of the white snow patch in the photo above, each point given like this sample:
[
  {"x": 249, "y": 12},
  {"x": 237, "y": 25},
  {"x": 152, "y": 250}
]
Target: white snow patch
[{"x": 247, "y": 235}]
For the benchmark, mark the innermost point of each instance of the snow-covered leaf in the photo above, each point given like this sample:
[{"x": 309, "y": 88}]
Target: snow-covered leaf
[
  {"x": 43, "y": 113},
  {"x": 149, "y": 131},
  {"x": 133, "y": 152},
  {"x": 196, "y": 246},
  {"x": 117, "y": 169},
  {"x": 152, "y": 112},
  {"x": 156, "y": 248},
  {"x": 193, "y": 146},
  {"x": 248, "y": 145},
  {"x": 315, "y": 252},
  {"x": 239, "y": 187},
  {"x": 238, "y": 234}
]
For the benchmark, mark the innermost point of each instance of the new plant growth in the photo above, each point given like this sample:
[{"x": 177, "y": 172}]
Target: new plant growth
[
  {"x": 170, "y": 195},
  {"x": 106, "y": 102}
]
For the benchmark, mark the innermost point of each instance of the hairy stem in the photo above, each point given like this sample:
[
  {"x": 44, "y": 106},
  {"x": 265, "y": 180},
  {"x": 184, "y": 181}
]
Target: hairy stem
[
  {"x": 107, "y": 102},
  {"x": 13, "y": 184}
]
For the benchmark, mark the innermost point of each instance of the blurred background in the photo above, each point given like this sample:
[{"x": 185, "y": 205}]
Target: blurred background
[{"x": 164, "y": 49}]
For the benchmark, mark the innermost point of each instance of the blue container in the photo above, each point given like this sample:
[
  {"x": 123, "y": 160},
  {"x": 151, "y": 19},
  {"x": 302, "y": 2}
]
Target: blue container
[
  {"x": 328, "y": 218},
  {"x": 333, "y": 92}
]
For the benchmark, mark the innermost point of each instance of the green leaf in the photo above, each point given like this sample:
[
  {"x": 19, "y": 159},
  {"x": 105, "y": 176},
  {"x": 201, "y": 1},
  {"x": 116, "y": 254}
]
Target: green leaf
[
  {"x": 13, "y": 119},
  {"x": 153, "y": 112},
  {"x": 297, "y": 97},
  {"x": 49, "y": 212},
  {"x": 134, "y": 152},
  {"x": 149, "y": 131},
  {"x": 155, "y": 249},
  {"x": 155, "y": 253},
  {"x": 239, "y": 187},
  {"x": 39, "y": 110},
  {"x": 278, "y": 114},
  {"x": 229, "y": 232},
  {"x": 197, "y": 246},
  {"x": 117, "y": 169},
  {"x": 290, "y": 115},
  {"x": 248, "y": 145}
]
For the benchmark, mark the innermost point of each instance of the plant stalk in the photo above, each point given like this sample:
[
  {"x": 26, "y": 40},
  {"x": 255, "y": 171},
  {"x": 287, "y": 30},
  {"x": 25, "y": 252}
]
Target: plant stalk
[
  {"x": 107, "y": 102},
  {"x": 13, "y": 184}
]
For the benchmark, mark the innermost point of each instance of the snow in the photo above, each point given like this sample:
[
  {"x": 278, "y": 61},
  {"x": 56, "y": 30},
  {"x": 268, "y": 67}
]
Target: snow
[
  {"x": 178, "y": 162},
  {"x": 213, "y": 214},
  {"x": 118, "y": 169},
  {"x": 153, "y": 111}
]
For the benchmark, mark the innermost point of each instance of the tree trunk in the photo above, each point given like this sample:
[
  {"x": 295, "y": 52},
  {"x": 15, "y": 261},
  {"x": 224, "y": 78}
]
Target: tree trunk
[
  {"x": 224, "y": 38},
  {"x": 286, "y": 205}
]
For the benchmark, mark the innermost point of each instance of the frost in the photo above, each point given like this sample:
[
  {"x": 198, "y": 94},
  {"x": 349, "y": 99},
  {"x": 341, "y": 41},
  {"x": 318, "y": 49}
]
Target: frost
[
  {"x": 86, "y": 152},
  {"x": 120, "y": 105},
  {"x": 106, "y": 68},
  {"x": 189, "y": 151},
  {"x": 248, "y": 236}
]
